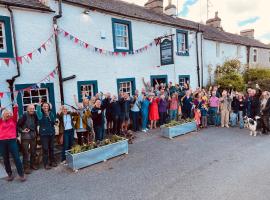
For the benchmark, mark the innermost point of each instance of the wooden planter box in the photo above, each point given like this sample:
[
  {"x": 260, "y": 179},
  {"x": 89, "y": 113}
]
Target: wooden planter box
[
  {"x": 178, "y": 130},
  {"x": 87, "y": 158}
]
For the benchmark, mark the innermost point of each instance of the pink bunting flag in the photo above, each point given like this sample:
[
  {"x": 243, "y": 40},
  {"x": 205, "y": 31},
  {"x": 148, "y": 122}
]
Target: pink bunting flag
[
  {"x": 19, "y": 59},
  {"x": 30, "y": 55},
  {"x": 1, "y": 95},
  {"x": 66, "y": 34},
  {"x": 76, "y": 40},
  {"x": 52, "y": 74},
  {"x": 86, "y": 45},
  {"x": 6, "y": 60},
  {"x": 44, "y": 46}
]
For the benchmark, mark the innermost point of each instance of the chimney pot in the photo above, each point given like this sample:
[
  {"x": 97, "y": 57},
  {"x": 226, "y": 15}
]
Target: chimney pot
[
  {"x": 170, "y": 9},
  {"x": 155, "y": 5},
  {"x": 248, "y": 33}
]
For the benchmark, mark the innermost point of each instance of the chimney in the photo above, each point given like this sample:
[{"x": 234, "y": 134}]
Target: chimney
[
  {"x": 171, "y": 9},
  {"x": 215, "y": 22},
  {"x": 155, "y": 5},
  {"x": 248, "y": 33},
  {"x": 44, "y": 2}
]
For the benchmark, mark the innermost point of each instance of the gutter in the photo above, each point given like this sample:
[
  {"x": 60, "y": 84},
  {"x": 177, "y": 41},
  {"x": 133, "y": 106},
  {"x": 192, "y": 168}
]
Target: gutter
[
  {"x": 12, "y": 80},
  {"x": 202, "y": 58},
  {"x": 57, "y": 49},
  {"x": 197, "y": 55},
  {"x": 248, "y": 56}
]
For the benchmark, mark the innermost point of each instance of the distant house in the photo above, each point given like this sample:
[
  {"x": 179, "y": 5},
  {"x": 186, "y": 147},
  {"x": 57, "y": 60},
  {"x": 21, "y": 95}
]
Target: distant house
[{"x": 108, "y": 45}]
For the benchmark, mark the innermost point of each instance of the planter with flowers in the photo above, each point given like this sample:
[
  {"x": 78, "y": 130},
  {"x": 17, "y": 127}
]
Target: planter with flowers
[
  {"x": 177, "y": 128},
  {"x": 82, "y": 156}
]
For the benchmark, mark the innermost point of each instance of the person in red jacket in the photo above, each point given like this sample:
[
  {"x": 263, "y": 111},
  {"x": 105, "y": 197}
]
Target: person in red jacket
[{"x": 8, "y": 142}]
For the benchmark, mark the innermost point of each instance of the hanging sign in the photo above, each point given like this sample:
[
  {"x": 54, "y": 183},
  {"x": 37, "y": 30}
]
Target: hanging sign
[{"x": 166, "y": 52}]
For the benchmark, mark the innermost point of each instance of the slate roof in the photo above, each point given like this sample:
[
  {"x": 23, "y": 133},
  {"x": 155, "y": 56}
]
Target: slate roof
[{"x": 32, "y": 4}]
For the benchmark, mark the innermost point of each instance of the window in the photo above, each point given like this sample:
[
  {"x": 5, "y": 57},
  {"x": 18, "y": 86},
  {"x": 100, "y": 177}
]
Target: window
[
  {"x": 32, "y": 97},
  {"x": 183, "y": 79},
  {"x": 126, "y": 85},
  {"x": 182, "y": 42},
  {"x": 255, "y": 55},
  {"x": 239, "y": 51},
  {"x": 6, "y": 48},
  {"x": 122, "y": 35},
  {"x": 86, "y": 89},
  {"x": 217, "y": 49},
  {"x": 158, "y": 79},
  {"x": 45, "y": 91},
  {"x": 2, "y": 38}
]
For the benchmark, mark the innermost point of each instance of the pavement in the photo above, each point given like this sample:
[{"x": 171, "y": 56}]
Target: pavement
[{"x": 213, "y": 164}]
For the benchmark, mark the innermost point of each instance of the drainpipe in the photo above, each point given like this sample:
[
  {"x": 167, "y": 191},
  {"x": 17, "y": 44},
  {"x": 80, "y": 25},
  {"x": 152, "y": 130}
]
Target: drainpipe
[
  {"x": 202, "y": 57},
  {"x": 12, "y": 80},
  {"x": 59, "y": 66},
  {"x": 197, "y": 54},
  {"x": 248, "y": 56}
]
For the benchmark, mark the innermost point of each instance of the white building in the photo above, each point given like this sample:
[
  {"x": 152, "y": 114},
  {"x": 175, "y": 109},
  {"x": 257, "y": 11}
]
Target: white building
[{"x": 119, "y": 31}]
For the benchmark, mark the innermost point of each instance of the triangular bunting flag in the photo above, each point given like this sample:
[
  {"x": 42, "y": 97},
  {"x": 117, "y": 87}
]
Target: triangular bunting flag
[
  {"x": 39, "y": 50},
  {"x": 6, "y": 60},
  {"x": 52, "y": 74},
  {"x": 26, "y": 58},
  {"x": 76, "y": 40},
  {"x": 13, "y": 60},
  {"x": 66, "y": 34},
  {"x": 86, "y": 45},
  {"x": 19, "y": 59},
  {"x": 1, "y": 95},
  {"x": 30, "y": 55},
  {"x": 71, "y": 37},
  {"x": 100, "y": 50},
  {"x": 44, "y": 46}
]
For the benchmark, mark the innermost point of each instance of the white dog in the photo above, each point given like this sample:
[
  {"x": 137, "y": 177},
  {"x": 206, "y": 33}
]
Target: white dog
[{"x": 253, "y": 125}]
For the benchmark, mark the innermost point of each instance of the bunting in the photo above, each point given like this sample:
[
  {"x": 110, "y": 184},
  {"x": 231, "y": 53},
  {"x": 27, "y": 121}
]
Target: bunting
[
  {"x": 29, "y": 56},
  {"x": 86, "y": 45}
]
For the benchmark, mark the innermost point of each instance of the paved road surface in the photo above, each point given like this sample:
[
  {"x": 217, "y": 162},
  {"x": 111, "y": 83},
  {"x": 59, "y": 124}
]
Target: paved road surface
[{"x": 214, "y": 164}]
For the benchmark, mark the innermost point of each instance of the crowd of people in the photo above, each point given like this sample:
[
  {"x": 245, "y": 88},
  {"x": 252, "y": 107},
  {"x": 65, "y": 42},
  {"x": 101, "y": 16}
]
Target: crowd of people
[{"x": 105, "y": 114}]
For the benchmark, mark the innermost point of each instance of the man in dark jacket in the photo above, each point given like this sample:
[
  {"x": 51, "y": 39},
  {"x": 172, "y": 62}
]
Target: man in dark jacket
[
  {"x": 265, "y": 112},
  {"x": 125, "y": 103},
  {"x": 98, "y": 120},
  {"x": 108, "y": 113},
  {"x": 27, "y": 126},
  {"x": 116, "y": 112},
  {"x": 255, "y": 102}
]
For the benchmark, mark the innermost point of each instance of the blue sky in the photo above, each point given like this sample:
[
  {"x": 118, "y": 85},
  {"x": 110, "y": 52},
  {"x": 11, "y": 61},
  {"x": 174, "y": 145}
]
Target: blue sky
[
  {"x": 248, "y": 21},
  {"x": 185, "y": 9}
]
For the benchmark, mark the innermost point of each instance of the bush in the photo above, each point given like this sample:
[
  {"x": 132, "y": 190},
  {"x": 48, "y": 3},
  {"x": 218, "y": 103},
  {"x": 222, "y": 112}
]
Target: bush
[
  {"x": 232, "y": 80},
  {"x": 228, "y": 67},
  {"x": 256, "y": 75},
  {"x": 263, "y": 83}
]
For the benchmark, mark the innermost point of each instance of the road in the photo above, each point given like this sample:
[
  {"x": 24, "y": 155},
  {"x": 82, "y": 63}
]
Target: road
[{"x": 223, "y": 164}]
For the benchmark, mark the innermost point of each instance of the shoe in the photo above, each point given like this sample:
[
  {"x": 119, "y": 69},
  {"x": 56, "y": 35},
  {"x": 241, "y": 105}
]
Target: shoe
[
  {"x": 64, "y": 162},
  {"x": 34, "y": 167},
  {"x": 22, "y": 178},
  {"x": 27, "y": 170},
  {"x": 222, "y": 126},
  {"x": 47, "y": 167},
  {"x": 227, "y": 126},
  {"x": 54, "y": 164},
  {"x": 10, "y": 178}
]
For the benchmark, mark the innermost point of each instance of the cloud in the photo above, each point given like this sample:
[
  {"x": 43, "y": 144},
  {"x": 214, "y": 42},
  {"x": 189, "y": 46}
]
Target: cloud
[
  {"x": 185, "y": 9},
  {"x": 250, "y": 20}
]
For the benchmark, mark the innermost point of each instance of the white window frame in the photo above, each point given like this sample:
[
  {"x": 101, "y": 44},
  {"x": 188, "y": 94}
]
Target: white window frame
[
  {"x": 3, "y": 50},
  {"x": 217, "y": 49},
  {"x": 181, "y": 45},
  {"x": 253, "y": 55},
  {"x": 130, "y": 88},
  {"x": 31, "y": 96},
  {"x": 116, "y": 24},
  {"x": 84, "y": 93}
]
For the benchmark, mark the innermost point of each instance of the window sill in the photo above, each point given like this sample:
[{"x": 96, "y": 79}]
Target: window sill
[
  {"x": 182, "y": 53},
  {"x": 123, "y": 50}
]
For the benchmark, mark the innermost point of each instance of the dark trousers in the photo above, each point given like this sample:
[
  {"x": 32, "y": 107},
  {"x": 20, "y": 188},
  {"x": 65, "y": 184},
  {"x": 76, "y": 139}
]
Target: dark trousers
[
  {"x": 29, "y": 150},
  {"x": 116, "y": 124},
  {"x": 162, "y": 118},
  {"x": 83, "y": 137},
  {"x": 10, "y": 147},
  {"x": 265, "y": 123},
  {"x": 135, "y": 120},
  {"x": 47, "y": 143},
  {"x": 100, "y": 132},
  {"x": 68, "y": 140}
]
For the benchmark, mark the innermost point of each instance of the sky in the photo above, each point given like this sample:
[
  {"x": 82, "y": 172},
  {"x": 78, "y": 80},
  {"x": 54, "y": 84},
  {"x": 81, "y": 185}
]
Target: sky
[{"x": 236, "y": 15}]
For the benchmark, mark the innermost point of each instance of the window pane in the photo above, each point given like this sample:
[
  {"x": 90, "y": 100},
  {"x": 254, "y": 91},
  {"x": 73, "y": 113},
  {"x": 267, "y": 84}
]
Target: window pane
[
  {"x": 121, "y": 36},
  {"x": 34, "y": 92}
]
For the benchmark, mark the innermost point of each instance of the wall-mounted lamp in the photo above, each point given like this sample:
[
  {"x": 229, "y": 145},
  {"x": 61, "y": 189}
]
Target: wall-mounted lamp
[{"x": 86, "y": 12}]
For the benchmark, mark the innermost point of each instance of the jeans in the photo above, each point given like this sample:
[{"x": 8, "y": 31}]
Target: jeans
[
  {"x": 241, "y": 119},
  {"x": 100, "y": 133},
  {"x": 10, "y": 147},
  {"x": 29, "y": 147},
  {"x": 135, "y": 120},
  {"x": 116, "y": 124},
  {"x": 234, "y": 116},
  {"x": 144, "y": 120},
  {"x": 213, "y": 116},
  {"x": 68, "y": 140},
  {"x": 173, "y": 114},
  {"x": 162, "y": 118},
  {"x": 47, "y": 143}
]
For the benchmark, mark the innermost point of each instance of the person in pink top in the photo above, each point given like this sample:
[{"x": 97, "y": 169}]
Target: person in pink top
[
  {"x": 173, "y": 106},
  {"x": 8, "y": 142},
  {"x": 213, "y": 108}
]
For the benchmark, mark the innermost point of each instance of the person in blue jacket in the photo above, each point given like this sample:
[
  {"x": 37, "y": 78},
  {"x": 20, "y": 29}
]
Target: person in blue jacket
[
  {"x": 144, "y": 111},
  {"x": 46, "y": 121}
]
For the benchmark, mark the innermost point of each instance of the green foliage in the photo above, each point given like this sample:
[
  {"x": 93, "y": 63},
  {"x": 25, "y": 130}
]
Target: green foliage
[
  {"x": 231, "y": 80},
  {"x": 256, "y": 75},
  {"x": 176, "y": 123},
  {"x": 230, "y": 66}
]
